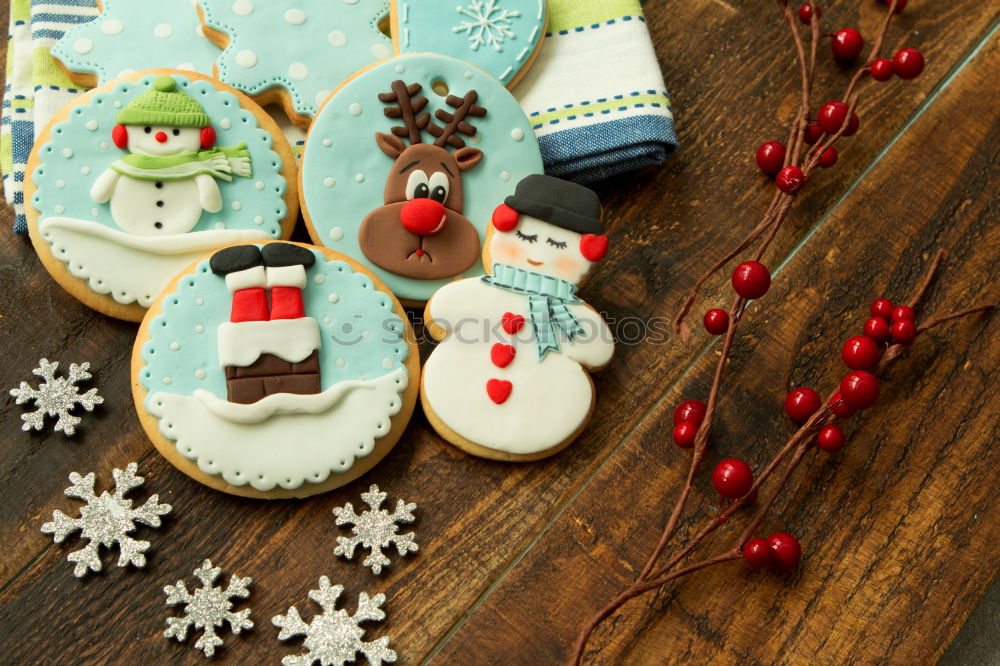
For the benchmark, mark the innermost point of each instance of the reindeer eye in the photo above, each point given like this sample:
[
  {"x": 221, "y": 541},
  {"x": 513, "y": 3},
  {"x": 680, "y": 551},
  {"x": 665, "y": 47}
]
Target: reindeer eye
[
  {"x": 439, "y": 186},
  {"x": 533, "y": 238},
  {"x": 558, "y": 244},
  {"x": 416, "y": 185}
]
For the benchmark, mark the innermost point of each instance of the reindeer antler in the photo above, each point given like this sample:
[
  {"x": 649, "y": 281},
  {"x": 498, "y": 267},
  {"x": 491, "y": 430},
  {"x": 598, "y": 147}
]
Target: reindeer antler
[
  {"x": 454, "y": 124},
  {"x": 408, "y": 107}
]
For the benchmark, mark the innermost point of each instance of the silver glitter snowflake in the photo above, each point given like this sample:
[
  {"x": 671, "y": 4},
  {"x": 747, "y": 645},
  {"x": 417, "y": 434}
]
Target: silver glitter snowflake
[
  {"x": 489, "y": 24},
  {"x": 375, "y": 529},
  {"x": 207, "y": 608},
  {"x": 56, "y": 396},
  {"x": 106, "y": 521},
  {"x": 333, "y": 637}
]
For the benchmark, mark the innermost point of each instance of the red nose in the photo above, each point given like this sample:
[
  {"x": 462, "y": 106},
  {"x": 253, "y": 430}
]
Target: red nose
[
  {"x": 161, "y": 137},
  {"x": 423, "y": 216}
]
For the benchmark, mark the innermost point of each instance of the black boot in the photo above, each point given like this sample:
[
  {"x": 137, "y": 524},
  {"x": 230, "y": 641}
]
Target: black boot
[
  {"x": 287, "y": 254},
  {"x": 236, "y": 258}
]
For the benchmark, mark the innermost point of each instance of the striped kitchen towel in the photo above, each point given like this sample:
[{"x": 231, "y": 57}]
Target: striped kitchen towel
[{"x": 595, "y": 95}]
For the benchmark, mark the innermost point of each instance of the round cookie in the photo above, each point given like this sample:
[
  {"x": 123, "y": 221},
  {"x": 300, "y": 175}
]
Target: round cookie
[
  {"x": 404, "y": 164},
  {"x": 510, "y": 378},
  {"x": 275, "y": 370},
  {"x": 128, "y": 36},
  {"x": 502, "y": 37},
  {"x": 138, "y": 178},
  {"x": 296, "y": 55}
]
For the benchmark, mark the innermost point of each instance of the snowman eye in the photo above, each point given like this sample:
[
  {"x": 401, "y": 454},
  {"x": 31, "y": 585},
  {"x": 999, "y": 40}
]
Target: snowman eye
[
  {"x": 147, "y": 129},
  {"x": 526, "y": 238},
  {"x": 554, "y": 243},
  {"x": 416, "y": 186},
  {"x": 177, "y": 132}
]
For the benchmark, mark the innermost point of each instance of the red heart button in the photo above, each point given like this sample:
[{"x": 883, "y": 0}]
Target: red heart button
[
  {"x": 512, "y": 323},
  {"x": 502, "y": 355},
  {"x": 499, "y": 390}
]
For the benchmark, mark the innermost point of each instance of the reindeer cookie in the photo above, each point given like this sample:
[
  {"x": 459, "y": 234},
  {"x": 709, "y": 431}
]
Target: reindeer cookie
[
  {"x": 401, "y": 162},
  {"x": 136, "y": 179},
  {"x": 510, "y": 379},
  {"x": 275, "y": 370}
]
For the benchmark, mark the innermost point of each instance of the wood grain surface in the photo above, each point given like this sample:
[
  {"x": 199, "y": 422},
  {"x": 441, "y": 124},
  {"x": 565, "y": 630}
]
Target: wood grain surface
[{"x": 900, "y": 530}]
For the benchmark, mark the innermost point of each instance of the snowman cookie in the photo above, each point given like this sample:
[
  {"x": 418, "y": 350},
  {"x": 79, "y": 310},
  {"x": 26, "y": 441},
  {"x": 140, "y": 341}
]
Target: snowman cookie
[
  {"x": 297, "y": 53},
  {"x": 275, "y": 370},
  {"x": 401, "y": 163},
  {"x": 137, "y": 179},
  {"x": 510, "y": 379},
  {"x": 502, "y": 37},
  {"x": 128, "y": 35}
]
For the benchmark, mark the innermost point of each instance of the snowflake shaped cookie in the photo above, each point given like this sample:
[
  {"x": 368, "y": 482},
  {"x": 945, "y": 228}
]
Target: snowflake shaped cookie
[
  {"x": 129, "y": 35},
  {"x": 106, "y": 520},
  {"x": 375, "y": 529},
  {"x": 298, "y": 55},
  {"x": 56, "y": 396},
  {"x": 207, "y": 608},
  {"x": 334, "y": 637},
  {"x": 486, "y": 24}
]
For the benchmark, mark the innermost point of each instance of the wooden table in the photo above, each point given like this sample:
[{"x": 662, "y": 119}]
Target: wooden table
[{"x": 900, "y": 530}]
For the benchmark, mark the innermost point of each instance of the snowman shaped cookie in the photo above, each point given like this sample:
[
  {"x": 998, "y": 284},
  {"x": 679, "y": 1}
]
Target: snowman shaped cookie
[{"x": 510, "y": 379}]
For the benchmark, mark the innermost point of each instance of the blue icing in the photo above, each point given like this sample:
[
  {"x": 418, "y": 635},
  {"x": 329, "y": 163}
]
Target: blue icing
[
  {"x": 129, "y": 35},
  {"x": 499, "y": 36},
  {"x": 343, "y": 173},
  {"x": 81, "y": 148},
  {"x": 307, "y": 49},
  {"x": 182, "y": 339}
]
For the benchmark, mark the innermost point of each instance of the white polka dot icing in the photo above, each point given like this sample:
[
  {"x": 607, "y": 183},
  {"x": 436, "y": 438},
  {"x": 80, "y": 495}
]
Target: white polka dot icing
[
  {"x": 112, "y": 27},
  {"x": 163, "y": 30},
  {"x": 295, "y": 16},
  {"x": 83, "y": 46},
  {"x": 243, "y": 8},
  {"x": 246, "y": 58},
  {"x": 337, "y": 38},
  {"x": 298, "y": 71}
]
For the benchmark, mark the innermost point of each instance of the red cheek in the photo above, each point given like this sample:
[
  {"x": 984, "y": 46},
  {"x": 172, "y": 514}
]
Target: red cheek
[
  {"x": 507, "y": 252},
  {"x": 568, "y": 266}
]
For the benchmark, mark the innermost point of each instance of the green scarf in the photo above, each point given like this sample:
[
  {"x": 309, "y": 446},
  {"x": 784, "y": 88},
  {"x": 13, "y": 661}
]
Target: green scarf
[
  {"x": 221, "y": 162},
  {"x": 548, "y": 297}
]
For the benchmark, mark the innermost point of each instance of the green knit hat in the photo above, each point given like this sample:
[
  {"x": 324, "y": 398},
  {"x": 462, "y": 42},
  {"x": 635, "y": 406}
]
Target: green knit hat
[{"x": 164, "y": 105}]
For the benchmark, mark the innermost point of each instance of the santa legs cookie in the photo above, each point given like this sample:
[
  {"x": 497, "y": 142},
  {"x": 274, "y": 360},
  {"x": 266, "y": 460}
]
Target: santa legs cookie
[
  {"x": 402, "y": 163},
  {"x": 510, "y": 379},
  {"x": 137, "y": 179},
  {"x": 275, "y": 370}
]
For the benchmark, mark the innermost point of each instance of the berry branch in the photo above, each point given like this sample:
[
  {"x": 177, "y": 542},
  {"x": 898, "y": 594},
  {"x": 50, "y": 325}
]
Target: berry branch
[{"x": 866, "y": 355}]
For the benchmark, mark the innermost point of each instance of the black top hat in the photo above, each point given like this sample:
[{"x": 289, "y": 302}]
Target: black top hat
[{"x": 558, "y": 202}]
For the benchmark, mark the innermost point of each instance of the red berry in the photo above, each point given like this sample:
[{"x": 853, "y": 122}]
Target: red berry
[
  {"x": 757, "y": 553},
  {"x": 881, "y": 307},
  {"x": 716, "y": 321},
  {"x": 771, "y": 157},
  {"x": 899, "y": 4},
  {"x": 830, "y": 438},
  {"x": 908, "y": 63},
  {"x": 840, "y": 407},
  {"x": 859, "y": 389},
  {"x": 877, "y": 328},
  {"x": 801, "y": 403},
  {"x": 852, "y": 125},
  {"x": 806, "y": 13},
  {"x": 690, "y": 410},
  {"x": 786, "y": 551},
  {"x": 831, "y": 116},
  {"x": 882, "y": 69},
  {"x": 732, "y": 478},
  {"x": 751, "y": 279},
  {"x": 860, "y": 353},
  {"x": 685, "y": 433},
  {"x": 847, "y": 44},
  {"x": 813, "y": 133},
  {"x": 828, "y": 158},
  {"x": 790, "y": 179},
  {"x": 904, "y": 312},
  {"x": 904, "y": 331}
]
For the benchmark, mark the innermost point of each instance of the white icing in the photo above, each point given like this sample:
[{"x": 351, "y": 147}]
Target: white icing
[
  {"x": 295, "y": 16},
  {"x": 286, "y": 276},
  {"x": 242, "y": 7},
  {"x": 292, "y": 445},
  {"x": 381, "y": 51},
  {"x": 112, "y": 27},
  {"x": 333, "y": 297},
  {"x": 322, "y": 96},
  {"x": 133, "y": 269},
  {"x": 329, "y": 182},
  {"x": 517, "y": 134},
  {"x": 83, "y": 46},
  {"x": 550, "y": 399},
  {"x": 92, "y": 125},
  {"x": 360, "y": 178},
  {"x": 67, "y": 153},
  {"x": 298, "y": 71},
  {"x": 246, "y": 279},
  {"x": 200, "y": 373},
  {"x": 163, "y": 30},
  {"x": 505, "y": 175},
  {"x": 246, "y": 58},
  {"x": 336, "y": 233},
  {"x": 319, "y": 278},
  {"x": 354, "y": 109},
  {"x": 337, "y": 38},
  {"x": 226, "y": 123},
  {"x": 242, "y": 343}
]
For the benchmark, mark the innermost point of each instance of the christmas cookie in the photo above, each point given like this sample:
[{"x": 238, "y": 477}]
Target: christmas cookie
[
  {"x": 500, "y": 36},
  {"x": 401, "y": 163},
  {"x": 275, "y": 370},
  {"x": 128, "y": 35},
  {"x": 297, "y": 54},
  {"x": 510, "y": 379},
  {"x": 137, "y": 179}
]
